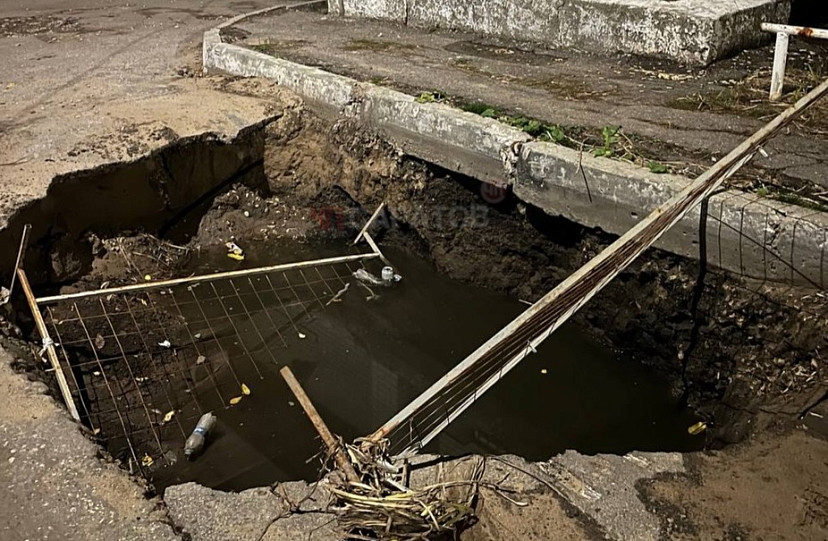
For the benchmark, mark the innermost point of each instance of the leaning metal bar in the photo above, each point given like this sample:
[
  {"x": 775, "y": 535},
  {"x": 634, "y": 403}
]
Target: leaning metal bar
[
  {"x": 602, "y": 269},
  {"x": 369, "y": 222},
  {"x": 205, "y": 278},
  {"x": 24, "y": 241},
  {"x": 48, "y": 345}
]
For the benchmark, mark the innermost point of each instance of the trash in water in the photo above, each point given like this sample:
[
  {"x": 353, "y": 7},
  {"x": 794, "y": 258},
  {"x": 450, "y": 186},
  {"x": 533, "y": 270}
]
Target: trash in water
[
  {"x": 234, "y": 251},
  {"x": 697, "y": 428},
  {"x": 201, "y": 359},
  {"x": 99, "y": 342},
  {"x": 388, "y": 275},
  {"x": 195, "y": 442},
  {"x": 245, "y": 390},
  {"x": 148, "y": 277},
  {"x": 364, "y": 276},
  {"x": 544, "y": 371},
  {"x": 168, "y": 417},
  {"x": 147, "y": 461},
  {"x": 338, "y": 296},
  {"x": 235, "y": 400},
  {"x": 165, "y": 344},
  {"x": 302, "y": 335}
]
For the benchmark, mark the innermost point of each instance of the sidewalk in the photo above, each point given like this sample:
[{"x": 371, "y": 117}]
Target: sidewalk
[{"x": 681, "y": 117}]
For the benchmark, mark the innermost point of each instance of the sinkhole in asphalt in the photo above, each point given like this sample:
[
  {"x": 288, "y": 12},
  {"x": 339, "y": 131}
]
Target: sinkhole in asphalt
[{"x": 361, "y": 359}]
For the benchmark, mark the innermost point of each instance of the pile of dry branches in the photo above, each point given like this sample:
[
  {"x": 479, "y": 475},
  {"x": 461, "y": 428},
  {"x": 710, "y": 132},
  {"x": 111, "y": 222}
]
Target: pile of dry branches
[{"x": 381, "y": 507}]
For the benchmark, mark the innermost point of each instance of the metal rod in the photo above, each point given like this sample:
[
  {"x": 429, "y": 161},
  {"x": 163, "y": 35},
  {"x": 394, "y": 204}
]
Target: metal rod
[
  {"x": 803, "y": 31},
  {"x": 627, "y": 248},
  {"x": 24, "y": 240},
  {"x": 334, "y": 446},
  {"x": 780, "y": 59},
  {"x": 369, "y": 222},
  {"x": 48, "y": 345},
  {"x": 370, "y": 240},
  {"x": 204, "y": 278}
]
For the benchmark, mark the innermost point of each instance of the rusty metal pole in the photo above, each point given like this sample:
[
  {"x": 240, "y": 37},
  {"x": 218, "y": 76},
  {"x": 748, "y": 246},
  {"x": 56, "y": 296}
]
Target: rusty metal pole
[
  {"x": 331, "y": 442},
  {"x": 48, "y": 345}
]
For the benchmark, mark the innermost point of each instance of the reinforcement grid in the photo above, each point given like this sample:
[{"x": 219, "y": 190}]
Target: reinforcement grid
[{"x": 144, "y": 365}]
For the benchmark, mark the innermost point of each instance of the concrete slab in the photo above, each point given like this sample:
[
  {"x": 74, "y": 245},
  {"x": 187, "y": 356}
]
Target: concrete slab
[{"x": 689, "y": 31}]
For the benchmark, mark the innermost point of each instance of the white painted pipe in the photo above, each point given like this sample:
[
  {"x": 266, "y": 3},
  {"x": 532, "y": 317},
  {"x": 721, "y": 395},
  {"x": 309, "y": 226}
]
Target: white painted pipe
[
  {"x": 780, "y": 60},
  {"x": 802, "y": 31},
  {"x": 780, "y": 54}
]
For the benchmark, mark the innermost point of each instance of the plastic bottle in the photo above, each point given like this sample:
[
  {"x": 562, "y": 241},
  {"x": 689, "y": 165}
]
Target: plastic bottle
[{"x": 196, "y": 440}]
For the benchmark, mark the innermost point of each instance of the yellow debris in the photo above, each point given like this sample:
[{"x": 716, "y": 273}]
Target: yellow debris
[
  {"x": 235, "y": 400},
  {"x": 237, "y": 257},
  {"x": 697, "y": 428},
  {"x": 245, "y": 390}
]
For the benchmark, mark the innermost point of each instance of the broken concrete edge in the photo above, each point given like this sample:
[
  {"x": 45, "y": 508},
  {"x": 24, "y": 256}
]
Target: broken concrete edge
[
  {"x": 744, "y": 233},
  {"x": 602, "y": 487},
  {"x": 696, "y": 33}
]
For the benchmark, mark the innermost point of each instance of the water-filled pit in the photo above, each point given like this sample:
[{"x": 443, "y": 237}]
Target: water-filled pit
[{"x": 591, "y": 387}]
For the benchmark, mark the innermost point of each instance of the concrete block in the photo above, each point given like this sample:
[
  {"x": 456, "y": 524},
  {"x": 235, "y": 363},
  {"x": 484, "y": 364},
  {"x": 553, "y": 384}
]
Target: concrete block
[
  {"x": 688, "y": 31},
  {"x": 522, "y": 20},
  {"x": 742, "y": 233},
  {"x": 321, "y": 87},
  {"x": 461, "y": 142}
]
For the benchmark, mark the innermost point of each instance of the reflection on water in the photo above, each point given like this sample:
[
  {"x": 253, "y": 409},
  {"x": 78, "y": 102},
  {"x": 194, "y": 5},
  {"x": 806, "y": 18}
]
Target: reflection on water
[{"x": 362, "y": 360}]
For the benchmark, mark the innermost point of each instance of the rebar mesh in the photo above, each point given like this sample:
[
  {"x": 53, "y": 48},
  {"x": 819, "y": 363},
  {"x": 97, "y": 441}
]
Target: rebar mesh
[{"x": 144, "y": 364}]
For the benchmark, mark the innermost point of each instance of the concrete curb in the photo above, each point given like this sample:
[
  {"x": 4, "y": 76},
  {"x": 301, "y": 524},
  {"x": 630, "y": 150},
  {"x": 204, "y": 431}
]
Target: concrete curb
[{"x": 745, "y": 234}]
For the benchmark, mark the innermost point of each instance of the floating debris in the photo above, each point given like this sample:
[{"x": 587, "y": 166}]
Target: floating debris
[
  {"x": 165, "y": 344},
  {"x": 234, "y": 251},
  {"x": 147, "y": 461},
  {"x": 235, "y": 400},
  {"x": 99, "y": 342},
  {"x": 195, "y": 442},
  {"x": 245, "y": 390},
  {"x": 339, "y": 294},
  {"x": 697, "y": 428},
  {"x": 364, "y": 276}
]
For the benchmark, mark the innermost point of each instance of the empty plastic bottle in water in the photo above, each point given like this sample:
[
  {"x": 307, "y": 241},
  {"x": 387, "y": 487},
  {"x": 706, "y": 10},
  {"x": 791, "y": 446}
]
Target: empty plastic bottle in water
[{"x": 196, "y": 440}]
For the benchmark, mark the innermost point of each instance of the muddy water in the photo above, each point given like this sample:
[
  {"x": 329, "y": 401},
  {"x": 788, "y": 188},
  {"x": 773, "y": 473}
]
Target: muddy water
[{"x": 362, "y": 360}]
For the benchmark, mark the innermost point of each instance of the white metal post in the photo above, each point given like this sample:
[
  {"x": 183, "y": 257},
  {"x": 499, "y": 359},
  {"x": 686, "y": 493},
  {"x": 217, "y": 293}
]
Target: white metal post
[{"x": 780, "y": 59}]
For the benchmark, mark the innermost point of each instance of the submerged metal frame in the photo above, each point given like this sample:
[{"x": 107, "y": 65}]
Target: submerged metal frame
[{"x": 191, "y": 350}]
